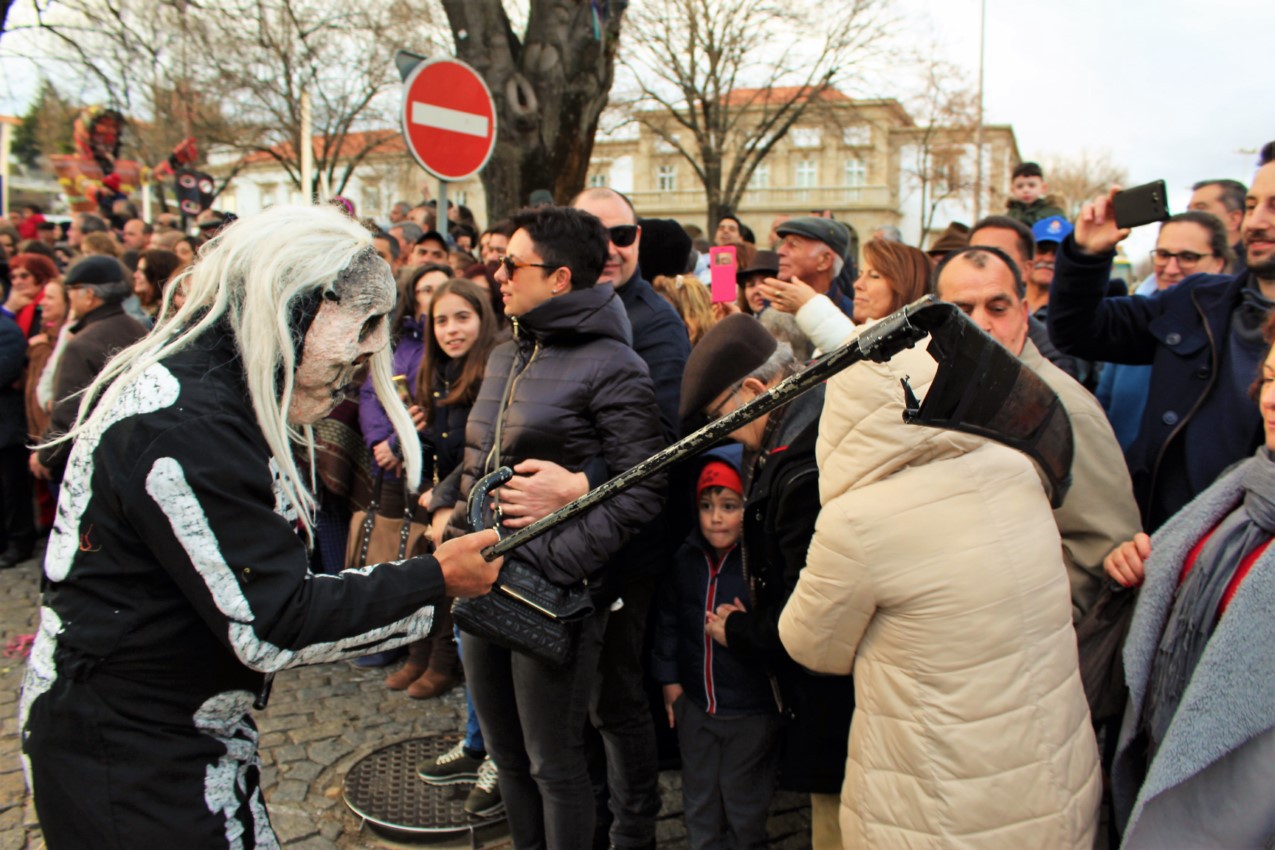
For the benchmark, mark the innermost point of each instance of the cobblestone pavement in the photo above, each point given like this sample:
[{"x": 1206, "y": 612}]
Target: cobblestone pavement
[{"x": 321, "y": 720}]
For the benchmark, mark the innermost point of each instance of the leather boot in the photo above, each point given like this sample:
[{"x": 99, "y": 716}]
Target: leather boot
[
  {"x": 431, "y": 684},
  {"x": 418, "y": 654}
]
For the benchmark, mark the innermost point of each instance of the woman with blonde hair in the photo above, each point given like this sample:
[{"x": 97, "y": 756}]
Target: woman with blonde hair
[{"x": 691, "y": 300}]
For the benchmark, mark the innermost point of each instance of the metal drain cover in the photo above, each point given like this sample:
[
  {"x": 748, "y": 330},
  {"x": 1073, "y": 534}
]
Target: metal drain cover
[{"x": 385, "y": 791}]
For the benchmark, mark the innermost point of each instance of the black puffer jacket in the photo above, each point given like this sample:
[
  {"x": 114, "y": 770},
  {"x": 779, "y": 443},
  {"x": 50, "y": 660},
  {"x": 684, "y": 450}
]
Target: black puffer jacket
[{"x": 569, "y": 388}]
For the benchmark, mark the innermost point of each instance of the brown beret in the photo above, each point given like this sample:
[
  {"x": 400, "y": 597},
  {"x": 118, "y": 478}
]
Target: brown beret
[{"x": 731, "y": 349}]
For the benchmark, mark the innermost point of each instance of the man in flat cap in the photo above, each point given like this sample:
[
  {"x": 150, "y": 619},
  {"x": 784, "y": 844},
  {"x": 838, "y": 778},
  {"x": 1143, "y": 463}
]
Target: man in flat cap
[
  {"x": 96, "y": 287},
  {"x": 812, "y": 252},
  {"x": 736, "y": 361}
]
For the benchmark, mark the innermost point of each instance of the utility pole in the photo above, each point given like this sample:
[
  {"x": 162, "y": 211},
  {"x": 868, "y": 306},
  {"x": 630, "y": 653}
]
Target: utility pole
[{"x": 978, "y": 131}]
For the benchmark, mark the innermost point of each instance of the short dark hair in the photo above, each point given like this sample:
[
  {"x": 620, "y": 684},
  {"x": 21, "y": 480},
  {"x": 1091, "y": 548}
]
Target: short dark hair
[
  {"x": 567, "y": 237},
  {"x": 1266, "y": 155},
  {"x": 1027, "y": 169},
  {"x": 462, "y": 229},
  {"x": 1233, "y": 192},
  {"x": 504, "y": 227},
  {"x": 1219, "y": 242},
  {"x": 147, "y": 227},
  {"x": 393, "y": 243},
  {"x": 90, "y": 223},
  {"x": 977, "y": 255},
  {"x": 1026, "y": 242},
  {"x": 434, "y": 236}
]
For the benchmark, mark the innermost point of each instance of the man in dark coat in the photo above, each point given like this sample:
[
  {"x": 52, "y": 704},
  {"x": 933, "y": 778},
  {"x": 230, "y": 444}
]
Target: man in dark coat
[
  {"x": 736, "y": 361},
  {"x": 96, "y": 287},
  {"x": 17, "y": 521},
  {"x": 1202, "y": 338}
]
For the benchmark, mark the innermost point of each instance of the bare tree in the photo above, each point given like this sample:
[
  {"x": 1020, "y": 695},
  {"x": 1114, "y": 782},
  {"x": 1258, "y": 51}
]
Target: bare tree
[
  {"x": 550, "y": 85},
  {"x": 232, "y": 73},
  {"x": 946, "y": 111},
  {"x": 1080, "y": 177},
  {"x": 735, "y": 76}
]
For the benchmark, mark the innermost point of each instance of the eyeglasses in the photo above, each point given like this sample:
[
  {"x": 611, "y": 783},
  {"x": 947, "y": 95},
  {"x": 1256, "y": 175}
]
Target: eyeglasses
[
  {"x": 717, "y": 412},
  {"x": 623, "y": 235},
  {"x": 511, "y": 265},
  {"x": 1186, "y": 259}
]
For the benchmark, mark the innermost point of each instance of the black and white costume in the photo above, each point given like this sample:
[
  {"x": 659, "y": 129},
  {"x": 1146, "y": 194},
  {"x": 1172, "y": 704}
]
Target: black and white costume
[{"x": 177, "y": 582}]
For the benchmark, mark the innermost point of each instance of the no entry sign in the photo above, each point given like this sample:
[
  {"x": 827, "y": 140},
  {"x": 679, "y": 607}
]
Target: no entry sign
[{"x": 448, "y": 117}]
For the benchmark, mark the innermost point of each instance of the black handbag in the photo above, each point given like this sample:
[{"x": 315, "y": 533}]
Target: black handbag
[
  {"x": 527, "y": 613},
  {"x": 524, "y": 611}
]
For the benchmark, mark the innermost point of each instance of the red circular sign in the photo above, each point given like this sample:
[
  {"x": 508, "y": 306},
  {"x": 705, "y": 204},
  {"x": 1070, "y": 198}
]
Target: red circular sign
[{"x": 449, "y": 118}]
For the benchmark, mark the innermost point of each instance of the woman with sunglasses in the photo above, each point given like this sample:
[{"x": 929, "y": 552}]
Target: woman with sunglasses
[{"x": 568, "y": 389}]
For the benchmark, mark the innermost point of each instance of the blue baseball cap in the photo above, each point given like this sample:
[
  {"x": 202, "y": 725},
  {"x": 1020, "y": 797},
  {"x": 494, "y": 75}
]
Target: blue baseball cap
[{"x": 1052, "y": 229}]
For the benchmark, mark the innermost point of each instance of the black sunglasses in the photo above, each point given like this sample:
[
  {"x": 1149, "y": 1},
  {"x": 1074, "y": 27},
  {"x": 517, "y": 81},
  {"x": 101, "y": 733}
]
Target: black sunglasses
[
  {"x": 623, "y": 235},
  {"x": 511, "y": 265}
]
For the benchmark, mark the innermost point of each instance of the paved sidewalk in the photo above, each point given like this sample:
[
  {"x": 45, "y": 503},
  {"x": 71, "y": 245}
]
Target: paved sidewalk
[{"x": 321, "y": 720}]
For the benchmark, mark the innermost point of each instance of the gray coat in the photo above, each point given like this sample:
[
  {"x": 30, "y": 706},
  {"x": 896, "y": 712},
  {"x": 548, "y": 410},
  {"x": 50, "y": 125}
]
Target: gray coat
[{"x": 1211, "y": 782}]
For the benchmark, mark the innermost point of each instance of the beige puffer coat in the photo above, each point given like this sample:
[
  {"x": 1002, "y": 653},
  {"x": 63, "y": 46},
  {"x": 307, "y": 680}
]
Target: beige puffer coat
[{"x": 935, "y": 576}]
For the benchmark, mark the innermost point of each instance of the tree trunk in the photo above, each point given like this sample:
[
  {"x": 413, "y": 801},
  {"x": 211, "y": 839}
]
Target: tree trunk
[{"x": 550, "y": 89}]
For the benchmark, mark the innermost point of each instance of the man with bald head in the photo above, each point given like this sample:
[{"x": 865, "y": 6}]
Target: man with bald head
[{"x": 1099, "y": 512}]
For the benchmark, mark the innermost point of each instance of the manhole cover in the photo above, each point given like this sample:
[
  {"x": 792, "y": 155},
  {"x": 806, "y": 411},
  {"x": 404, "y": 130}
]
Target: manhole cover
[{"x": 385, "y": 791}]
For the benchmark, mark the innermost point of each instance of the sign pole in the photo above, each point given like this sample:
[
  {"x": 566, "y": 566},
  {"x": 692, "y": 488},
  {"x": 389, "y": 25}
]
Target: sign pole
[{"x": 440, "y": 212}]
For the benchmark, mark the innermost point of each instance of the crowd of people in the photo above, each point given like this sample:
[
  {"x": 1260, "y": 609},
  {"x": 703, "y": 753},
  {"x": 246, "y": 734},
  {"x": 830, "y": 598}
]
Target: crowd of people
[{"x": 830, "y": 601}]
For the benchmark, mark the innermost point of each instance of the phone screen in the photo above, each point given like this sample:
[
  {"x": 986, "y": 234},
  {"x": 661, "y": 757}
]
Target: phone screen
[{"x": 721, "y": 261}]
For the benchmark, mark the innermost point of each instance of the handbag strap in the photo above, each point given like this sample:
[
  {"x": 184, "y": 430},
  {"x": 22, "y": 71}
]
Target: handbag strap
[{"x": 369, "y": 521}]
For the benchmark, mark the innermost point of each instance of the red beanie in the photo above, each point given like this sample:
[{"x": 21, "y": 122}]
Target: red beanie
[{"x": 719, "y": 473}]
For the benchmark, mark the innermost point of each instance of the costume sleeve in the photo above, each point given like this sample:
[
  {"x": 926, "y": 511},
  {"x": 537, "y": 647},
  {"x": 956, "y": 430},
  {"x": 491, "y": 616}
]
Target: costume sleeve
[
  {"x": 1085, "y": 324},
  {"x": 834, "y": 601},
  {"x": 222, "y": 527},
  {"x": 824, "y": 323},
  {"x": 623, "y": 409}
]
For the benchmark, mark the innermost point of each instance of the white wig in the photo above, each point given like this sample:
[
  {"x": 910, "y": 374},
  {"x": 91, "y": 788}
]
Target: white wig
[{"x": 256, "y": 275}]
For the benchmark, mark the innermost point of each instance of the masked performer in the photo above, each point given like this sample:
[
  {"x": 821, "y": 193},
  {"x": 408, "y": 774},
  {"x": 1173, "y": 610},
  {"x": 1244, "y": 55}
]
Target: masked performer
[{"x": 177, "y": 566}]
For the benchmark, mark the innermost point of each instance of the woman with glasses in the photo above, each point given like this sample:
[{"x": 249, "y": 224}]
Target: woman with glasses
[{"x": 567, "y": 389}]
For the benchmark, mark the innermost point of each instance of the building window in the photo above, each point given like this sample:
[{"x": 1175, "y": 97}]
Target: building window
[
  {"x": 461, "y": 198},
  {"x": 666, "y": 179},
  {"x": 947, "y": 170},
  {"x": 807, "y": 174},
  {"x": 856, "y": 177},
  {"x": 761, "y": 177},
  {"x": 857, "y": 136},
  {"x": 804, "y": 137},
  {"x": 598, "y": 180}
]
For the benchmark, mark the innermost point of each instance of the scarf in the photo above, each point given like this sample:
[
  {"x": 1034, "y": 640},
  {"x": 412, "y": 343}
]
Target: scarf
[{"x": 1195, "y": 604}]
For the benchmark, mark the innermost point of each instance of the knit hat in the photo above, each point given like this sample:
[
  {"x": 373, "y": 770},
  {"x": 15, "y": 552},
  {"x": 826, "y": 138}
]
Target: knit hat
[
  {"x": 664, "y": 248},
  {"x": 954, "y": 238},
  {"x": 719, "y": 473},
  {"x": 731, "y": 349},
  {"x": 834, "y": 234},
  {"x": 104, "y": 275}
]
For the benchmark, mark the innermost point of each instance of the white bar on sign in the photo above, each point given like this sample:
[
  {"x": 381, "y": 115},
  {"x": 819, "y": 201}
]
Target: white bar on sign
[{"x": 449, "y": 119}]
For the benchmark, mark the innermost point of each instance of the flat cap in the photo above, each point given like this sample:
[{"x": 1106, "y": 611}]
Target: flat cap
[
  {"x": 95, "y": 270},
  {"x": 834, "y": 234},
  {"x": 730, "y": 350}
]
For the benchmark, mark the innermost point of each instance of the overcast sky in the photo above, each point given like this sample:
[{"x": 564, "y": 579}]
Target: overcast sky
[{"x": 1174, "y": 89}]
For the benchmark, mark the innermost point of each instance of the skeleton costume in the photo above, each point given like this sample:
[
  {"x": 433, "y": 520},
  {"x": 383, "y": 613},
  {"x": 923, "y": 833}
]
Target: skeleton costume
[{"x": 178, "y": 584}]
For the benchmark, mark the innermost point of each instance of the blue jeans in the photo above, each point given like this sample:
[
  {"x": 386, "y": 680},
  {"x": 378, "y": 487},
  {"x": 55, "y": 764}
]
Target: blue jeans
[{"x": 473, "y": 732}]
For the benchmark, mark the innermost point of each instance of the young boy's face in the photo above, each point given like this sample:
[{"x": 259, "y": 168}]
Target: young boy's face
[
  {"x": 721, "y": 517},
  {"x": 1027, "y": 189}
]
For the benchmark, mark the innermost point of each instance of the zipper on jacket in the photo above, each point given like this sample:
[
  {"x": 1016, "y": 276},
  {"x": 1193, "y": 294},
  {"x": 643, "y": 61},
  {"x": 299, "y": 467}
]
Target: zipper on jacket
[{"x": 493, "y": 456}]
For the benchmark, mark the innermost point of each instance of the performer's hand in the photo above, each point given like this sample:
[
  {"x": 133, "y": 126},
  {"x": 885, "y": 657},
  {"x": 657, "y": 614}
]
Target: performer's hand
[
  {"x": 1125, "y": 563},
  {"x": 465, "y": 572},
  {"x": 672, "y": 693},
  {"x": 538, "y": 489}
]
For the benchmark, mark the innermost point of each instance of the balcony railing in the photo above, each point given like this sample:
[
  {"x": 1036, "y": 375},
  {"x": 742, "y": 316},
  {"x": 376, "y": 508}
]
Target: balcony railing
[{"x": 787, "y": 198}]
